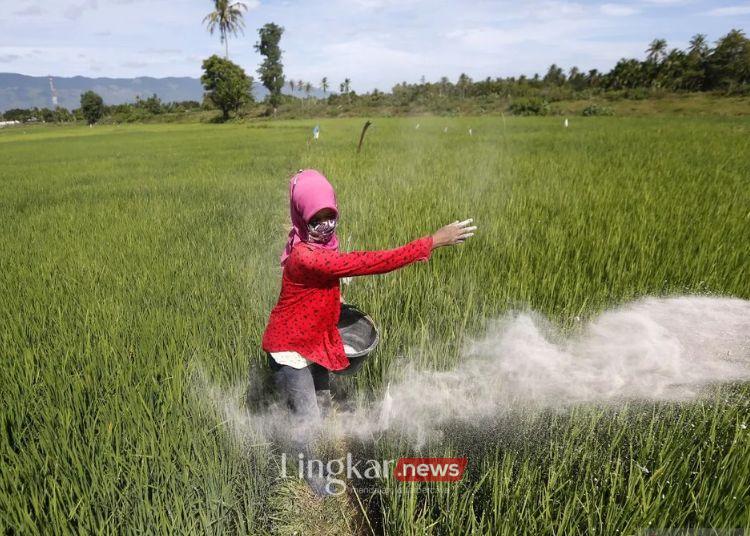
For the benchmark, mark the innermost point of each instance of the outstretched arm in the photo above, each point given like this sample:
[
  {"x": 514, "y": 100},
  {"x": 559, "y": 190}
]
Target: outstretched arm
[{"x": 328, "y": 263}]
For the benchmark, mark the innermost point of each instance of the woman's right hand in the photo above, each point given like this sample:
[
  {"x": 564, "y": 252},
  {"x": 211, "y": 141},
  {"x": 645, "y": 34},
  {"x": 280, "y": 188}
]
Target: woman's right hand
[{"x": 454, "y": 233}]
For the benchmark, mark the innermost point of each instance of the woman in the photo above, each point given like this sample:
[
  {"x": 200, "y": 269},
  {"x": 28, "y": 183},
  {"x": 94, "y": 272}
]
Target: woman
[{"x": 301, "y": 338}]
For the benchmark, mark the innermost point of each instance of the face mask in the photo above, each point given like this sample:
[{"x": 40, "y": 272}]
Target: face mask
[{"x": 322, "y": 231}]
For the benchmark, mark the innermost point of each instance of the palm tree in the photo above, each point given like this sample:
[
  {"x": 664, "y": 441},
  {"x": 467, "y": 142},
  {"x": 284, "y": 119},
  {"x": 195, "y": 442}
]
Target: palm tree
[
  {"x": 696, "y": 62},
  {"x": 228, "y": 19},
  {"x": 576, "y": 78},
  {"x": 555, "y": 76},
  {"x": 444, "y": 84},
  {"x": 308, "y": 89},
  {"x": 347, "y": 85},
  {"x": 657, "y": 50},
  {"x": 324, "y": 84},
  {"x": 291, "y": 86},
  {"x": 593, "y": 78},
  {"x": 699, "y": 45},
  {"x": 463, "y": 83}
]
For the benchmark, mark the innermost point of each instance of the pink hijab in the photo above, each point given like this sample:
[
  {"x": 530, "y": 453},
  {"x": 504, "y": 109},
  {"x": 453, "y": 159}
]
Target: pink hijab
[{"x": 309, "y": 192}]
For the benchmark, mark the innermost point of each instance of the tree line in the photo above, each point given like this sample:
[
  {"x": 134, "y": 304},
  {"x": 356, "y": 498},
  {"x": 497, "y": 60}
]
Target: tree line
[
  {"x": 723, "y": 68},
  {"x": 92, "y": 109}
]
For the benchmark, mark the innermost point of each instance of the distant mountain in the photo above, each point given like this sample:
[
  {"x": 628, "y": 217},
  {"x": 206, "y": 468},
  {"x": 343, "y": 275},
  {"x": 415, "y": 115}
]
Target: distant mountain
[{"x": 21, "y": 91}]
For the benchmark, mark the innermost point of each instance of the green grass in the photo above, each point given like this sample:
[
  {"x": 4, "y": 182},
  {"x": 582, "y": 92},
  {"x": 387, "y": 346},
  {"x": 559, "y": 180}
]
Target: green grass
[{"x": 135, "y": 259}]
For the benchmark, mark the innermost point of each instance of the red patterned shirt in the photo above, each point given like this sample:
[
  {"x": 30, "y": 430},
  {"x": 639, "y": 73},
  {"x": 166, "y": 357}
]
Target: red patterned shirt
[{"x": 304, "y": 319}]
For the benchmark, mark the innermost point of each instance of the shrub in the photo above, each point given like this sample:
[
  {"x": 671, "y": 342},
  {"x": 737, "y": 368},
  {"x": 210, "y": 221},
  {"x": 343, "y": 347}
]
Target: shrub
[
  {"x": 531, "y": 106},
  {"x": 594, "y": 109}
]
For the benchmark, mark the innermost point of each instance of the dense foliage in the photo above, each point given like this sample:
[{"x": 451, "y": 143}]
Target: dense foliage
[
  {"x": 92, "y": 107},
  {"x": 227, "y": 86},
  {"x": 271, "y": 71}
]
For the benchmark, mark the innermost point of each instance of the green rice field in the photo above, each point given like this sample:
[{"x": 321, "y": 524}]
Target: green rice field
[{"x": 139, "y": 263}]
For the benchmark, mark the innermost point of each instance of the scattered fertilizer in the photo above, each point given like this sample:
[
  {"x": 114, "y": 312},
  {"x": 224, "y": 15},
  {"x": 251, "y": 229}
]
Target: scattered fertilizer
[{"x": 653, "y": 349}]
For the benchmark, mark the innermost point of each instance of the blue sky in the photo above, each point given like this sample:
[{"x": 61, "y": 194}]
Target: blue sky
[{"x": 376, "y": 43}]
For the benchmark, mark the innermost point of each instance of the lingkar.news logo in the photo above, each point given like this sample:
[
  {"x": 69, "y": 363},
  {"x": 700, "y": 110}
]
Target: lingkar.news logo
[{"x": 339, "y": 470}]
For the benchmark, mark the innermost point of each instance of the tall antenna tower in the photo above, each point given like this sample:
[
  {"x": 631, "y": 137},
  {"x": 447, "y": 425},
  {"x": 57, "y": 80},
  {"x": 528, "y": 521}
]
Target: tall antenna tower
[{"x": 53, "y": 92}]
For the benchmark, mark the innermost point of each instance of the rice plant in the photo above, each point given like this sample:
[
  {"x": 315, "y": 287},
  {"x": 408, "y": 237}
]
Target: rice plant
[{"x": 135, "y": 260}]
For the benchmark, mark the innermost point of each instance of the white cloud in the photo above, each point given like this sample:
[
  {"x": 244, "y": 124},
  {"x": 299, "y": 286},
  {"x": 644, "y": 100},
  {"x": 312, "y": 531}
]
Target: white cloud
[
  {"x": 134, "y": 64},
  {"x": 161, "y": 51},
  {"x": 110, "y": 61},
  {"x": 730, "y": 11},
  {"x": 31, "y": 10},
  {"x": 74, "y": 11},
  {"x": 489, "y": 39},
  {"x": 382, "y": 4},
  {"x": 9, "y": 58},
  {"x": 363, "y": 59},
  {"x": 376, "y": 43},
  {"x": 618, "y": 10},
  {"x": 669, "y": 2},
  {"x": 529, "y": 10}
]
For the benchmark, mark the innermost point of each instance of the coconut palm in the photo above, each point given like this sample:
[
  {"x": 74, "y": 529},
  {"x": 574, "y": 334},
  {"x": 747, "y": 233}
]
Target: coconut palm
[
  {"x": 463, "y": 83},
  {"x": 698, "y": 45},
  {"x": 657, "y": 50},
  {"x": 444, "y": 85},
  {"x": 324, "y": 84},
  {"x": 227, "y": 18}
]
